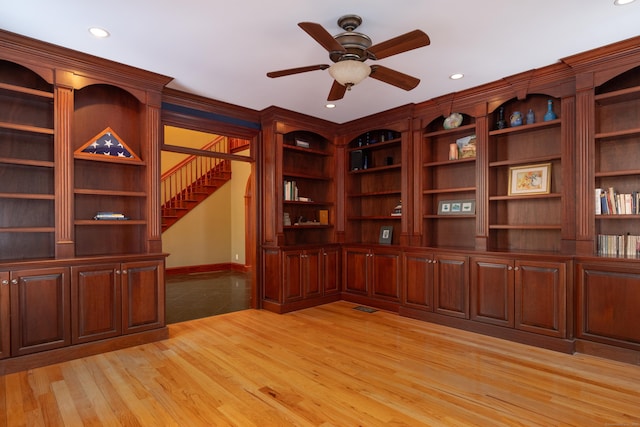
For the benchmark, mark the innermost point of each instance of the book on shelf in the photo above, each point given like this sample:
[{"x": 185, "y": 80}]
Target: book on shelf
[
  {"x": 110, "y": 216},
  {"x": 301, "y": 143},
  {"x": 619, "y": 245},
  {"x": 610, "y": 202},
  {"x": 290, "y": 191},
  {"x": 466, "y": 147}
]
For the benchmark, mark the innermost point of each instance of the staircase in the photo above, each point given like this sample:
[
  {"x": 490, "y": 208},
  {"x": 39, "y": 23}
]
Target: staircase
[{"x": 187, "y": 184}]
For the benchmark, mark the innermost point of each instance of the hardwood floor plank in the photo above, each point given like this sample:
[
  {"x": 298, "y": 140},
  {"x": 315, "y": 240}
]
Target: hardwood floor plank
[{"x": 324, "y": 366}]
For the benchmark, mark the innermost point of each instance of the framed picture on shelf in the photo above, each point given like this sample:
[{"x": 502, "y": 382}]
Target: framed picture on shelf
[
  {"x": 386, "y": 233},
  {"x": 457, "y": 207},
  {"x": 531, "y": 179}
]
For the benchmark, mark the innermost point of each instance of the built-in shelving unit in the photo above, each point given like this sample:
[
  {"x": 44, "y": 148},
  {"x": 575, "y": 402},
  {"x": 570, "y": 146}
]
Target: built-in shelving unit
[
  {"x": 27, "y": 166},
  {"x": 617, "y": 171},
  {"x": 448, "y": 178},
  {"x": 374, "y": 187},
  {"x": 307, "y": 188},
  {"x": 526, "y": 222}
]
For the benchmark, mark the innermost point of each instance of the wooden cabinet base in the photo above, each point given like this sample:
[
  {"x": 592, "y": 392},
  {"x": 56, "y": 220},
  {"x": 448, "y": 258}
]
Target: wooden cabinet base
[
  {"x": 550, "y": 343},
  {"x": 298, "y": 305},
  {"x": 35, "y": 360}
]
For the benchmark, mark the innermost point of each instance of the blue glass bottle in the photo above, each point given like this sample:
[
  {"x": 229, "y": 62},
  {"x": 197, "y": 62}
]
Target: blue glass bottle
[{"x": 550, "y": 115}]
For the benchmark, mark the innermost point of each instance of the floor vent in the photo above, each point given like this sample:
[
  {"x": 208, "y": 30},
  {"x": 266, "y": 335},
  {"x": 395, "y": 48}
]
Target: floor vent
[{"x": 365, "y": 309}]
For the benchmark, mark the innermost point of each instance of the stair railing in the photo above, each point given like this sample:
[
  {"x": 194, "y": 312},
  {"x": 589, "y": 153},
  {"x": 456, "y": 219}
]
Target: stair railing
[{"x": 179, "y": 183}]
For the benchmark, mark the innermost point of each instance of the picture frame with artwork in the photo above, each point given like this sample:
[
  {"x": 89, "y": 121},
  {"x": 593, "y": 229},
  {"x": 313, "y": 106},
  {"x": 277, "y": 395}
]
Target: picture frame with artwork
[
  {"x": 457, "y": 207},
  {"x": 386, "y": 234},
  {"x": 530, "y": 179}
]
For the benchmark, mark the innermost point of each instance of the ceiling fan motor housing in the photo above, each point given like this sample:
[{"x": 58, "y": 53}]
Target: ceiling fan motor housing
[{"x": 354, "y": 43}]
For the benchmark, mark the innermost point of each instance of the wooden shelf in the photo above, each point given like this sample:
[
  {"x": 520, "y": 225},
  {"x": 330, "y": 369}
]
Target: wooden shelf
[
  {"x": 450, "y": 190},
  {"x": 27, "y": 196},
  {"x": 449, "y": 162},
  {"x": 26, "y": 90},
  {"x": 526, "y": 197},
  {"x": 464, "y": 129},
  {"x": 526, "y": 128},
  {"x": 305, "y": 150},
  {"x": 26, "y": 128},
  {"x": 538, "y": 159},
  {"x": 103, "y": 222},
  {"x": 525, "y": 227},
  {"x": 27, "y": 229},
  {"x": 107, "y": 193}
]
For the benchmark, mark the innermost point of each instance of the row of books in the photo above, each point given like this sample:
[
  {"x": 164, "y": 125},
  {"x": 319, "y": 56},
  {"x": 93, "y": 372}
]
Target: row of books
[
  {"x": 610, "y": 202},
  {"x": 620, "y": 245},
  {"x": 291, "y": 193}
]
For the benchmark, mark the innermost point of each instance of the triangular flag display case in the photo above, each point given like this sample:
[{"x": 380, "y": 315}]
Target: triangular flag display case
[{"x": 107, "y": 146}]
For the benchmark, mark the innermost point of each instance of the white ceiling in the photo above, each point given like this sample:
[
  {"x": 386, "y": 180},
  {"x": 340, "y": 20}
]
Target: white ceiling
[{"x": 223, "y": 49}]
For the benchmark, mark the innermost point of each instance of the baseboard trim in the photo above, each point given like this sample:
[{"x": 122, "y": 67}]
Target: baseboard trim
[{"x": 208, "y": 268}]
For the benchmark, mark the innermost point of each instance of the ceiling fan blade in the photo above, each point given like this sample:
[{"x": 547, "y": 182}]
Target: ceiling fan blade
[
  {"x": 298, "y": 70},
  {"x": 337, "y": 91},
  {"x": 322, "y": 36},
  {"x": 393, "y": 77},
  {"x": 411, "y": 40}
]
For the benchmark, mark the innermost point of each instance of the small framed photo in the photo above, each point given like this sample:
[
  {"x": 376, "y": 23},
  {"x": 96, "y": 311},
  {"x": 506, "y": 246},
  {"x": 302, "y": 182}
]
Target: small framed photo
[
  {"x": 386, "y": 233},
  {"x": 444, "y": 208},
  {"x": 532, "y": 179},
  {"x": 457, "y": 207}
]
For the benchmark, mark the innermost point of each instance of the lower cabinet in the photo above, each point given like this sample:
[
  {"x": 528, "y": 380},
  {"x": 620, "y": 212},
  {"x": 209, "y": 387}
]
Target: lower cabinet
[
  {"x": 40, "y": 311},
  {"x": 53, "y": 307},
  {"x": 528, "y": 295},
  {"x": 372, "y": 272},
  {"x": 437, "y": 282},
  {"x": 115, "y": 298},
  {"x": 295, "y": 277},
  {"x": 5, "y": 343},
  {"x": 608, "y": 309}
]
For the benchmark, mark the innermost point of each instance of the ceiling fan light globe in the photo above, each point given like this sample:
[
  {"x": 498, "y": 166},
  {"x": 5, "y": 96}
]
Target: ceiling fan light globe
[{"x": 349, "y": 73}]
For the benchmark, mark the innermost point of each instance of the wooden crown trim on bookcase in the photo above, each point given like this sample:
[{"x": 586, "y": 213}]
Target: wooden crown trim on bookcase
[{"x": 107, "y": 146}]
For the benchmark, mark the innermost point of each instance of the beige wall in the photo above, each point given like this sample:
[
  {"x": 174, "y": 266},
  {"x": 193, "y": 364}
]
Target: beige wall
[{"x": 213, "y": 232}]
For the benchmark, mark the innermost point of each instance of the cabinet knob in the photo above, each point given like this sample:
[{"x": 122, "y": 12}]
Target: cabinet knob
[
  {"x": 517, "y": 268},
  {"x": 435, "y": 261},
  {"x": 509, "y": 268},
  {"x": 14, "y": 281},
  {"x": 5, "y": 282},
  {"x": 124, "y": 271}
]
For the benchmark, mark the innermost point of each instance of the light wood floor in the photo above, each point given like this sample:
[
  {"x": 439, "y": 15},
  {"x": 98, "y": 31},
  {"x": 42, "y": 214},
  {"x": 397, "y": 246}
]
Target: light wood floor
[{"x": 326, "y": 366}]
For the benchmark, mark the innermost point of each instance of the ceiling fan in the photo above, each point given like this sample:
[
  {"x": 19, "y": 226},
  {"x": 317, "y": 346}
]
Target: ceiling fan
[{"x": 349, "y": 50}]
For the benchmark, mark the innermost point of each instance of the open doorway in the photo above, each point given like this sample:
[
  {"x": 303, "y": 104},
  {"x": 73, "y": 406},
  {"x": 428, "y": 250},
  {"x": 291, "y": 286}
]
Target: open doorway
[{"x": 210, "y": 262}]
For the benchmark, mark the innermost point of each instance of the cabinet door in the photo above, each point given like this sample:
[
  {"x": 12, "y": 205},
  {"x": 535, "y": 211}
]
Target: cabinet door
[
  {"x": 95, "y": 302},
  {"x": 40, "y": 314},
  {"x": 541, "y": 297},
  {"x": 331, "y": 270},
  {"x": 608, "y": 301},
  {"x": 492, "y": 291},
  {"x": 311, "y": 273},
  {"x": 355, "y": 268},
  {"x": 292, "y": 275},
  {"x": 386, "y": 275},
  {"x": 142, "y": 295},
  {"x": 418, "y": 281},
  {"x": 4, "y": 315},
  {"x": 451, "y": 286}
]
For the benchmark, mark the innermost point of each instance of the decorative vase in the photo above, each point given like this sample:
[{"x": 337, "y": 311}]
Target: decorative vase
[
  {"x": 550, "y": 115},
  {"x": 516, "y": 119},
  {"x": 531, "y": 117},
  {"x": 501, "y": 123}
]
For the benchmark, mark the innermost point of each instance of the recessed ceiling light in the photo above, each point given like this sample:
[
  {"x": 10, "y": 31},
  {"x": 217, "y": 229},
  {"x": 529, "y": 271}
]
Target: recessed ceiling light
[
  {"x": 99, "y": 32},
  {"x": 456, "y": 76},
  {"x": 622, "y": 2},
  {"x": 330, "y": 105}
]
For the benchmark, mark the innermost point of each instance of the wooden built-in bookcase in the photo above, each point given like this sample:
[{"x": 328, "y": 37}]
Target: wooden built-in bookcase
[{"x": 69, "y": 281}]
